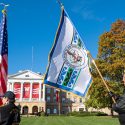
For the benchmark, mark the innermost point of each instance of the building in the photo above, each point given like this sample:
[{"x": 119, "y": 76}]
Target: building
[
  {"x": 57, "y": 102},
  {"x": 67, "y": 102},
  {"x": 29, "y": 90},
  {"x": 33, "y": 96}
]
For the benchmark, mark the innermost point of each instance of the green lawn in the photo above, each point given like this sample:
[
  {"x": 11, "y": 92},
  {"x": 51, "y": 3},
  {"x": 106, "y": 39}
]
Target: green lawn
[{"x": 69, "y": 120}]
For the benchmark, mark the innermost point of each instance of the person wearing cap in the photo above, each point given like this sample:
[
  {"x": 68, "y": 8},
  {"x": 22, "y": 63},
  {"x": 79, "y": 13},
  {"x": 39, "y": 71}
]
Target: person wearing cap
[
  {"x": 6, "y": 115},
  {"x": 119, "y": 106}
]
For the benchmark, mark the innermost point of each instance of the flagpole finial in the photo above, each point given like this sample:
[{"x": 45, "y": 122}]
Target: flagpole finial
[
  {"x": 5, "y": 7},
  {"x": 4, "y": 11},
  {"x": 88, "y": 52}
]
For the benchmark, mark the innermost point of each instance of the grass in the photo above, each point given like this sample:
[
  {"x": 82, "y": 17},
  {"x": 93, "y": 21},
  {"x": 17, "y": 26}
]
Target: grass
[{"x": 69, "y": 120}]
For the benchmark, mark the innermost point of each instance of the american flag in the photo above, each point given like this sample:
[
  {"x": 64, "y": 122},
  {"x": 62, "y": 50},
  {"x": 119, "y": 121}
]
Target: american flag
[{"x": 3, "y": 54}]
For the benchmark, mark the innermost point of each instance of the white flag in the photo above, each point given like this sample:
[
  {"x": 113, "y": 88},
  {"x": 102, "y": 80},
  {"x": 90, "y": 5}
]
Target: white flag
[{"x": 68, "y": 61}]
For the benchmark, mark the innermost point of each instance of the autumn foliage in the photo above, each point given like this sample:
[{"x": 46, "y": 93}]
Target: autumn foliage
[{"x": 111, "y": 63}]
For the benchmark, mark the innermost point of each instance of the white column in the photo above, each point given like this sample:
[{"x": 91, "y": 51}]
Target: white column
[
  {"x": 21, "y": 93},
  {"x": 40, "y": 89},
  {"x": 31, "y": 90},
  {"x": 43, "y": 92},
  {"x": 8, "y": 86},
  {"x": 12, "y": 87}
]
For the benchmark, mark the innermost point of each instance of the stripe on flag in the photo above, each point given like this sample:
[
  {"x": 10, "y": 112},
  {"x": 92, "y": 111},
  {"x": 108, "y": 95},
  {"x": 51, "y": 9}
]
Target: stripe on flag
[{"x": 3, "y": 55}]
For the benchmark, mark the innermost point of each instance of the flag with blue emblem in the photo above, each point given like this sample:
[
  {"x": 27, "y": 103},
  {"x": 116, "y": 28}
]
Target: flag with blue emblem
[{"x": 68, "y": 67}]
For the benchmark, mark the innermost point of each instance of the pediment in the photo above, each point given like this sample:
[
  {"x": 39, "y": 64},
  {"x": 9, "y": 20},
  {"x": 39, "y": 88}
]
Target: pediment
[{"x": 26, "y": 74}]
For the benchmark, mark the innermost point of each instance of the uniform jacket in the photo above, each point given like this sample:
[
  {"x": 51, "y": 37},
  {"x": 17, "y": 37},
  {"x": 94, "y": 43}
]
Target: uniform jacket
[
  {"x": 5, "y": 113},
  {"x": 119, "y": 107}
]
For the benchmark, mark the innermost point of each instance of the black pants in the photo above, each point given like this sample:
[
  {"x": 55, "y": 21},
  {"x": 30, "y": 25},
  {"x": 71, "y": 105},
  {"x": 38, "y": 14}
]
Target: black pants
[{"x": 122, "y": 119}]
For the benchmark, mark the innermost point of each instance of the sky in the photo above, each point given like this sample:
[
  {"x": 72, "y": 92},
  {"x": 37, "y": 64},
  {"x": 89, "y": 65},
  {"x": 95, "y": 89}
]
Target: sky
[{"x": 32, "y": 26}]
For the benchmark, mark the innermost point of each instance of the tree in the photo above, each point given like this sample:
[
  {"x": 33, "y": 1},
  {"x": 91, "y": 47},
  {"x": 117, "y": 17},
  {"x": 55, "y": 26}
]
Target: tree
[{"x": 111, "y": 63}]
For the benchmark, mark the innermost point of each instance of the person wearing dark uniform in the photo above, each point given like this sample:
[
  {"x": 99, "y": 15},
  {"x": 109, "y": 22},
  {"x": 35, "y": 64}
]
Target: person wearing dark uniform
[
  {"x": 6, "y": 110},
  {"x": 119, "y": 106}
]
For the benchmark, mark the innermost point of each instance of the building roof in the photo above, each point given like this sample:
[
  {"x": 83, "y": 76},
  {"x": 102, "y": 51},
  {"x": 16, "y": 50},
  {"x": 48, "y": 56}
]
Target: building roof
[{"x": 26, "y": 74}]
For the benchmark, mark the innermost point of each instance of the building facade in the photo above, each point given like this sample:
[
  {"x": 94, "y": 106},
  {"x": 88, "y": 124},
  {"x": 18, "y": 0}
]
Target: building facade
[
  {"x": 29, "y": 91},
  {"x": 33, "y": 96},
  {"x": 67, "y": 102}
]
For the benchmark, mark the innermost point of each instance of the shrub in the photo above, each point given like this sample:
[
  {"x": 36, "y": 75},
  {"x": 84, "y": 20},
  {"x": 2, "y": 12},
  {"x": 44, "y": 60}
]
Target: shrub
[{"x": 81, "y": 114}]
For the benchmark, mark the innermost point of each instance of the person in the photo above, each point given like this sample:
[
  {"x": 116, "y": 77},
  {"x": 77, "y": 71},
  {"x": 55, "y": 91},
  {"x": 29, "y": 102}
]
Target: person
[
  {"x": 119, "y": 106},
  {"x": 9, "y": 111}
]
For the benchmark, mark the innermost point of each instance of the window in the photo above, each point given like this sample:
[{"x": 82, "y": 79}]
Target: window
[
  {"x": 27, "y": 75},
  {"x": 54, "y": 91},
  {"x": 54, "y": 99},
  {"x": 48, "y": 111},
  {"x": 63, "y": 99},
  {"x": 48, "y": 90},
  {"x": 48, "y": 99},
  {"x": 80, "y": 100},
  {"x": 55, "y": 111}
]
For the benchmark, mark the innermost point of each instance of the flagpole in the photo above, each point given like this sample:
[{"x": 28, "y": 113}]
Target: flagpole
[
  {"x": 93, "y": 61},
  {"x": 32, "y": 58},
  {"x": 60, "y": 3}
]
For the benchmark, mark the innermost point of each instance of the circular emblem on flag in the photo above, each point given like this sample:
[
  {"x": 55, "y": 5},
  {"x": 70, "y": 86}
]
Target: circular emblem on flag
[{"x": 75, "y": 57}]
